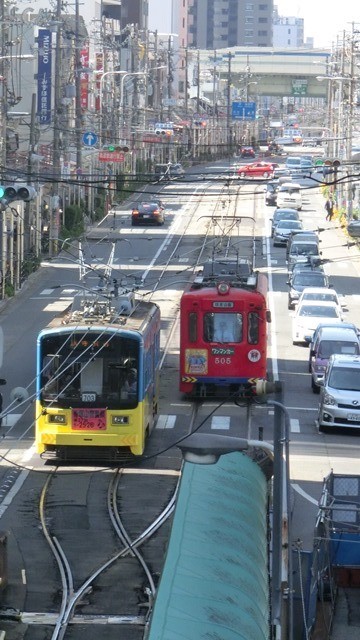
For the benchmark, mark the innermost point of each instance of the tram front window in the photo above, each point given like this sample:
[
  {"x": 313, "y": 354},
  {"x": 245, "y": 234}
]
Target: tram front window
[
  {"x": 223, "y": 327},
  {"x": 104, "y": 375}
]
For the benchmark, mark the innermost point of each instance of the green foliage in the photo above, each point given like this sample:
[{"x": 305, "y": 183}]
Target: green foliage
[{"x": 74, "y": 221}]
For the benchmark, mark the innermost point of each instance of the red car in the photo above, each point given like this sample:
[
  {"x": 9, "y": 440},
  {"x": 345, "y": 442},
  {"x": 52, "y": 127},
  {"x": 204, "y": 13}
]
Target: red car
[
  {"x": 256, "y": 170},
  {"x": 247, "y": 152}
]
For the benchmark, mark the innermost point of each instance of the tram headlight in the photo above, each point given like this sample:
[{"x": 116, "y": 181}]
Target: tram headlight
[
  {"x": 223, "y": 288},
  {"x": 57, "y": 418},
  {"x": 118, "y": 420}
]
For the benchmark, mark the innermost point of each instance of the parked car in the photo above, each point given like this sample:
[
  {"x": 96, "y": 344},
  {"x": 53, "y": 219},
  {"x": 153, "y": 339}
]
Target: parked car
[
  {"x": 256, "y": 170},
  {"x": 289, "y": 195},
  {"x": 247, "y": 152},
  {"x": 283, "y": 230},
  {"x": 309, "y": 314},
  {"x": 283, "y": 214},
  {"x": 329, "y": 340},
  {"x": 340, "y": 394},
  {"x": 301, "y": 279},
  {"x": 147, "y": 212}
]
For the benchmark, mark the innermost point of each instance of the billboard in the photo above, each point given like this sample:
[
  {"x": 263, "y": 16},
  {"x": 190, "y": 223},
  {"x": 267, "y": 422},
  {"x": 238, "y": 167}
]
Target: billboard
[{"x": 44, "y": 76}]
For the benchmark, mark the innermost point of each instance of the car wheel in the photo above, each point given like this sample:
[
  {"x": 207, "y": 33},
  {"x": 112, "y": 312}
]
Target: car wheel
[
  {"x": 242, "y": 174},
  {"x": 265, "y": 174},
  {"x": 314, "y": 386},
  {"x": 290, "y": 304}
]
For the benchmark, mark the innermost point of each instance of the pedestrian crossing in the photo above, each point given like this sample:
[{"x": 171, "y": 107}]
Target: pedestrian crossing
[{"x": 217, "y": 423}]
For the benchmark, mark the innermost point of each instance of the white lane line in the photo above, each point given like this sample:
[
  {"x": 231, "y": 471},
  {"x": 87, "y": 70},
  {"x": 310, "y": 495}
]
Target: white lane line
[
  {"x": 23, "y": 576},
  {"x": 305, "y": 495},
  {"x": 13, "y": 491},
  {"x": 294, "y": 425},
  {"x": 220, "y": 423},
  {"x": 165, "y": 422},
  {"x": 11, "y": 419},
  {"x": 47, "y": 292}
]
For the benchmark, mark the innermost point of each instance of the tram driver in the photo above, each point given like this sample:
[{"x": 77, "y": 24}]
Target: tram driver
[{"x": 129, "y": 388}]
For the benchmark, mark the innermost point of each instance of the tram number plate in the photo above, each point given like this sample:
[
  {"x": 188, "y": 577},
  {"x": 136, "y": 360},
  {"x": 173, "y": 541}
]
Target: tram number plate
[
  {"x": 353, "y": 417},
  {"x": 88, "y": 420}
]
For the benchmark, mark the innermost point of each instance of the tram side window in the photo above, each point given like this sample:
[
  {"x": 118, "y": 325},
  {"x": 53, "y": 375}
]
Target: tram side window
[
  {"x": 223, "y": 327},
  {"x": 193, "y": 327},
  {"x": 253, "y": 328}
]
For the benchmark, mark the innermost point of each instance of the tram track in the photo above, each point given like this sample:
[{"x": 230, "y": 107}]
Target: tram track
[{"x": 77, "y": 592}]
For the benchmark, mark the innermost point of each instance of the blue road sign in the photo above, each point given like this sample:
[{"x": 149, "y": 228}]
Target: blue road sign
[
  {"x": 243, "y": 110},
  {"x": 89, "y": 138}
]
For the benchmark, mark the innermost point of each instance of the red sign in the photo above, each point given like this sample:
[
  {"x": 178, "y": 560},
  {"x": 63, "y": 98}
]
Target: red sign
[
  {"x": 84, "y": 78},
  {"x": 111, "y": 156},
  {"x": 99, "y": 65}
]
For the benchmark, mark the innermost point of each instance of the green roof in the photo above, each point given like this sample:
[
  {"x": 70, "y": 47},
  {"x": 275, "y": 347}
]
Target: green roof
[{"x": 215, "y": 582}]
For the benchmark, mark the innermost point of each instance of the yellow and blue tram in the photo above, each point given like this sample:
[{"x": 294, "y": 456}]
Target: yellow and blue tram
[{"x": 98, "y": 378}]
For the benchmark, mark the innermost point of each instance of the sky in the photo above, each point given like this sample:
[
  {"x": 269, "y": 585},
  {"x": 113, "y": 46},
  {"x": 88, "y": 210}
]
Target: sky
[{"x": 324, "y": 20}]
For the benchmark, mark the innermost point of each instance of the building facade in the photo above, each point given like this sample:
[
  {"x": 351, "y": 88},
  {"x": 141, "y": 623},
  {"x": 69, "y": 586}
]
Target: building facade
[
  {"x": 215, "y": 24},
  {"x": 288, "y": 31}
]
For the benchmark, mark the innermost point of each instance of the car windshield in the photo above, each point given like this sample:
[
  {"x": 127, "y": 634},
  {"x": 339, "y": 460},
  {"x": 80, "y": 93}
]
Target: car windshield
[
  {"x": 318, "y": 310},
  {"x": 289, "y": 224},
  {"x": 326, "y": 296},
  {"x": 286, "y": 216},
  {"x": 328, "y": 347},
  {"x": 345, "y": 378},
  {"x": 310, "y": 279},
  {"x": 304, "y": 249}
]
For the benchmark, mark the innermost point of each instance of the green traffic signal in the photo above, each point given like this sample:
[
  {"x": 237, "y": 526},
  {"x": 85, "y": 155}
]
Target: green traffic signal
[
  {"x": 11, "y": 193},
  {"x": 111, "y": 147}
]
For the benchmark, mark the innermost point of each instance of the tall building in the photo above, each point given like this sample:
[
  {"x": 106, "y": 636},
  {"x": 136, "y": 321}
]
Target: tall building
[
  {"x": 288, "y": 31},
  {"x": 216, "y": 24}
]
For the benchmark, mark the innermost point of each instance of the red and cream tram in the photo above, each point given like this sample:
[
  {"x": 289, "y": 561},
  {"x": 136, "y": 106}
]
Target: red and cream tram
[{"x": 223, "y": 330}]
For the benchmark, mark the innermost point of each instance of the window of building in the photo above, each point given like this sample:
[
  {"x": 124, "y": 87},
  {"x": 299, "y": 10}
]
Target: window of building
[
  {"x": 263, "y": 20},
  {"x": 249, "y": 33},
  {"x": 249, "y": 6},
  {"x": 262, "y": 33},
  {"x": 263, "y": 7},
  {"x": 249, "y": 19}
]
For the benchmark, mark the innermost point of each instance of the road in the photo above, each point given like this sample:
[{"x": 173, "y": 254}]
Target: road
[{"x": 162, "y": 259}]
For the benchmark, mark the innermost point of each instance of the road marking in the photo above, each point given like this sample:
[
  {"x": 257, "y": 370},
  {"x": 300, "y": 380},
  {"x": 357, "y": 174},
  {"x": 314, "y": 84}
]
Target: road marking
[
  {"x": 11, "y": 419},
  {"x": 294, "y": 425},
  {"x": 46, "y": 292},
  {"x": 165, "y": 422},
  {"x": 220, "y": 422},
  {"x": 305, "y": 495},
  {"x": 23, "y": 576}
]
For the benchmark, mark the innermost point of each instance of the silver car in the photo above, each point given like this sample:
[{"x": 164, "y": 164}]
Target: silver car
[{"x": 340, "y": 394}]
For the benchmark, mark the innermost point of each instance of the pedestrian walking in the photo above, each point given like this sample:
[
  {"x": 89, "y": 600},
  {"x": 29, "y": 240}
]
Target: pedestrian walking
[{"x": 329, "y": 207}]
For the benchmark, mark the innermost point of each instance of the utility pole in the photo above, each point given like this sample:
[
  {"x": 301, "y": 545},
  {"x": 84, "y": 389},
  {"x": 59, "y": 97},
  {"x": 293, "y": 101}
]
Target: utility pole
[
  {"x": 228, "y": 104},
  {"x": 78, "y": 110},
  {"x": 54, "y": 210},
  {"x": 186, "y": 79}
]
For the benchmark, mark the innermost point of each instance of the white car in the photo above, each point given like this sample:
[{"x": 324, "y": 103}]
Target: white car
[
  {"x": 321, "y": 294},
  {"x": 309, "y": 314},
  {"x": 289, "y": 195}
]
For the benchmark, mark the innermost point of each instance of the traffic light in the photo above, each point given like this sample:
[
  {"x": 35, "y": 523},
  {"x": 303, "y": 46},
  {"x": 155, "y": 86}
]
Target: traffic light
[
  {"x": 11, "y": 193},
  {"x": 115, "y": 148}
]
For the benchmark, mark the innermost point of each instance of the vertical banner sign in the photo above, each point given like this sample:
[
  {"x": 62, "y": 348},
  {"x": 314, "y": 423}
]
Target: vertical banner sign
[
  {"x": 99, "y": 65},
  {"x": 44, "y": 76},
  {"x": 84, "y": 77}
]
